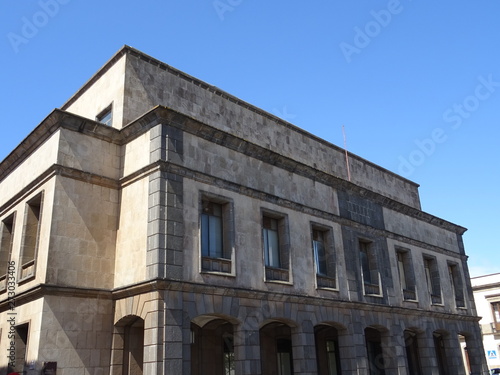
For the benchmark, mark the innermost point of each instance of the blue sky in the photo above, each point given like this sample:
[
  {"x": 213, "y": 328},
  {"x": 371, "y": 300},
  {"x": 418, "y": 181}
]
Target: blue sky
[{"x": 416, "y": 84}]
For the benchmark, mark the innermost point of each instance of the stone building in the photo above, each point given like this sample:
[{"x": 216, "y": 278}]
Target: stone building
[
  {"x": 486, "y": 291},
  {"x": 158, "y": 225}
]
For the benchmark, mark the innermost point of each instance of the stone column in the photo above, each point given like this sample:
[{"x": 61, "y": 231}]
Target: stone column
[
  {"x": 427, "y": 351},
  {"x": 393, "y": 347},
  {"x": 174, "y": 323},
  {"x": 304, "y": 349},
  {"x": 153, "y": 339},
  {"x": 454, "y": 359},
  {"x": 475, "y": 350},
  {"x": 247, "y": 347}
]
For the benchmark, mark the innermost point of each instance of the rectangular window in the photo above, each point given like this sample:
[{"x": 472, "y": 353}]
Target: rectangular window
[
  {"x": 369, "y": 268},
  {"x": 456, "y": 284},
  {"x": 211, "y": 230},
  {"x": 106, "y": 116},
  {"x": 319, "y": 252},
  {"x": 271, "y": 242},
  {"x": 433, "y": 279},
  {"x": 276, "y": 247},
  {"x": 406, "y": 275},
  {"x": 7, "y": 235},
  {"x": 324, "y": 257},
  {"x": 495, "y": 308},
  {"x": 217, "y": 234},
  {"x": 31, "y": 236}
]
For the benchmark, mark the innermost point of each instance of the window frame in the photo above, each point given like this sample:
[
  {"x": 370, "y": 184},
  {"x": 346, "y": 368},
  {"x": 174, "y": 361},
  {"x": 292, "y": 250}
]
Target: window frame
[
  {"x": 9, "y": 224},
  {"x": 27, "y": 262},
  {"x": 433, "y": 279},
  {"x": 406, "y": 274},
  {"x": 495, "y": 312},
  {"x": 369, "y": 265},
  {"x": 326, "y": 278},
  {"x": 103, "y": 114},
  {"x": 225, "y": 263},
  {"x": 457, "y": 284},
  {"x": 282, "y": 272}
]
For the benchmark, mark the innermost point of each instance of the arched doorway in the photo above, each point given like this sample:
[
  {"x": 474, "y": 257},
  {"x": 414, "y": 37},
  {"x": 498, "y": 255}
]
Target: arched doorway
[
  {"x": 128, "y": 346},
  {"x": 412, "y": 352},
  {"x": 376, "y": 360},
  {"x": 276, "y": 349},
  {"x": 212, "y": 347},
  {"x": 327, "y": 350}
]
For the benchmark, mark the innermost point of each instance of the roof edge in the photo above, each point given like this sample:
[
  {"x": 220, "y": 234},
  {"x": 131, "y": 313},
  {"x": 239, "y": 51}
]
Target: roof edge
[{"x": 126, "y": 49}]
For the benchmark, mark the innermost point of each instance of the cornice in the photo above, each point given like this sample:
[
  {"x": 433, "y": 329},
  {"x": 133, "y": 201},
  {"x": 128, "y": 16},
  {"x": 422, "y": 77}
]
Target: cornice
[{"x": 161, "y": 285}]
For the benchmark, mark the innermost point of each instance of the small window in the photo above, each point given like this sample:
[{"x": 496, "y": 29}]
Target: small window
[
  {"x": 106, "y": 116},
  {"x": 276, "y": 247},
  {"x": 456, "y": 284},
  {"x": 495, "y": 308},
  {"x": 433, "y": 279},
  {"x": 31, "y": 236},
  {"x": 7, "y": 235},
  {"x": 324, "y": 257},
  {"x": 406, "y": 275},
  {"x": 369, "y": 268},
  {"x": 216, "y": 234}
]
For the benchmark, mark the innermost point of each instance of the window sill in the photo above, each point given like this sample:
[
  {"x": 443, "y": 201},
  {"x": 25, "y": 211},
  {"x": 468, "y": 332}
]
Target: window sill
[
  {"x": 27, "y": 272},
  {"x": 326, "y": 282},
  {"x": 271, "y": 281},
  {"x": 277, "y": 274},
  {"x": 217, "y": 265},
  {"x": 217, "y": 273}
]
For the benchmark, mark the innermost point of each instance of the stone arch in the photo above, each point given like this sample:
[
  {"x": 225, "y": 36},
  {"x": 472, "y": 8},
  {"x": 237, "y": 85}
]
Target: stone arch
[
  {"x": 128, "y": 346},
  {"x": 328, "y": 337},
  {"x": 276, "y": 346},
  {"x": 212, "y": 344}
]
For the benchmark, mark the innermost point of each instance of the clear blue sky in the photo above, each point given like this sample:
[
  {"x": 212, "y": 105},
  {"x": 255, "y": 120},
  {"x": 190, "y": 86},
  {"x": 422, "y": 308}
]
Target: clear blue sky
[{"x": 416, "y": 84}]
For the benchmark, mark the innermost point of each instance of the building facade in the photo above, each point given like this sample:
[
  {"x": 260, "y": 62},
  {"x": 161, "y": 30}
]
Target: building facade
[
  {"x": 158, "y": 225},
  {"x": 486, "y": 291}
]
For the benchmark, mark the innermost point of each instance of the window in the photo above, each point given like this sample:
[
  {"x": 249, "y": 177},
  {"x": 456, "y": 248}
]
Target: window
[
  {"x": 276, "y": 247},
  {"x": 7, "y": 235},
  {"x": 217, "y": 234},
  {"x": 324, "y": 257},
  {"x": 369, "y": 269},
  {"x": 456, "y": 284},
  {"x": 106, "y": 116},
  {"x": 211, "y": 230},
  {"x": 433, "y": 280},
  {"x": 406, "y": 275},
  {"x": 271, "y": 242},
  {"x": 495, "y": 308},
  {"x": 30, "y": 236}
]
